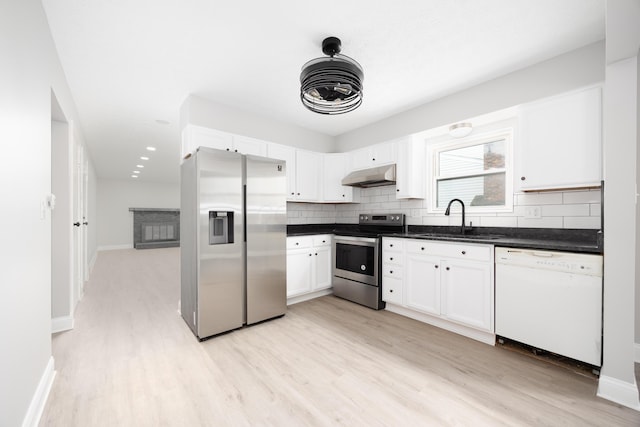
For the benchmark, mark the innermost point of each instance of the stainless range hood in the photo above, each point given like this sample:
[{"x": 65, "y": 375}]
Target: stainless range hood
[{"x": 374, "y": 177}]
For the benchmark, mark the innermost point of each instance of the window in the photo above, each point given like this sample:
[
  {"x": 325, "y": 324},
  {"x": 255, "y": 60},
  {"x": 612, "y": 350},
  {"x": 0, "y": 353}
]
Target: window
[{"x": 477, "y": 171}]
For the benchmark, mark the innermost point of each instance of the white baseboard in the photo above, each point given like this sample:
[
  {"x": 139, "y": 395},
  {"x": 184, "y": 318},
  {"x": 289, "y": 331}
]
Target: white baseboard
[
  {"x": 476, "y": 334},
  {"x": 310, "y": 295},
  {"x": 620, "y": 392},
  {"x": 59, "y": 324},
  {"x": 636, "y": 353},
  {"x": 114, "y": 247},
  {"x": 39, "y": 399}
]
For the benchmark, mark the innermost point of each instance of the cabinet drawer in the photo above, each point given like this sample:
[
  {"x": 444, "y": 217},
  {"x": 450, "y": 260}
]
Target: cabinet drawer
[
  {"x": 389, "y": 257},
  {"x": 322, "y": 240},
  {"x": 391, "y": 270},
  {"x": 467, "y": 251},
  {"x": 392, "y": 290},
  {"x": 299, "y": 242},
  {"x": 427, "y": 247},
  {"x": 391, "y": 244}
]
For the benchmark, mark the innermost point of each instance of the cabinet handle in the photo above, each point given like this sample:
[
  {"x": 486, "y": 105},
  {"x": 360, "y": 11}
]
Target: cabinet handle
[
  {"x": 374, "y": 159},
  {"x": 422, "y": 249},
  {"x": 316, "y": 254},
  {"x": 464, "y": 252},
  {"x": 309, "y": 254},
  {"x": 391, "y": 245},
  {"x": 522, "y": 178},
  {"x": 448, "y": 269},
  {"x": 235, "y": 151},
  {"x": 390, "y": 271},
  {"x": 397, "y": 189},
  {"x": 436, "y": 266},
  {"x": 390, "y": 291},
  {"x": 391, "y": 259},
  {"x": 323, "y": 241},
  {"x": 298, "y": 194},
  {"x": 227, "y": 149},
  {"x": 297, "y": 243},
  {"x": 343, "y": 195}
]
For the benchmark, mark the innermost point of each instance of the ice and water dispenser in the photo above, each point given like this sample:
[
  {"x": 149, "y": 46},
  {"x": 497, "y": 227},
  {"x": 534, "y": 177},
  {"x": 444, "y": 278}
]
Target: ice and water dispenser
[{"x": 220, "y": 227}]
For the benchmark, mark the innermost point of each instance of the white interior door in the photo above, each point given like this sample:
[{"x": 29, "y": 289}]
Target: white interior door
[{"x": 80, "y": 222}]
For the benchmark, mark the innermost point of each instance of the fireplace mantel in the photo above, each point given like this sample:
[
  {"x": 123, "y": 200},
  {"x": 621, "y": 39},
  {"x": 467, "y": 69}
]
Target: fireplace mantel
[{"x": 155, "y": 227}]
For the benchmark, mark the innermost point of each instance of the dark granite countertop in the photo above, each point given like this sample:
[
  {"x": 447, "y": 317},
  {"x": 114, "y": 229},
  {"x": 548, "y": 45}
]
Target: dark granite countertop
[{"x": 573, "y": 240}]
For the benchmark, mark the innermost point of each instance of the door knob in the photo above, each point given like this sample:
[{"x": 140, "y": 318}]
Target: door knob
[
  {"x": 85, "y": 223},
  {"x": 76, "y": 224}
]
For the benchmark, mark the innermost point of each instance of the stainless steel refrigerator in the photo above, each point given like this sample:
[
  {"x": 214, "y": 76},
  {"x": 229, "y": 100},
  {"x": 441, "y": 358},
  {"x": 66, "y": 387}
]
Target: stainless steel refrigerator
[{"x": 233, "y": 220}]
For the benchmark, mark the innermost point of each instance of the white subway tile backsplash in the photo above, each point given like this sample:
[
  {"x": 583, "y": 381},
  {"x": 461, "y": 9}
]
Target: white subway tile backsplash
[
  {"x": 565, "y": 210},
  {"x": 498, "y": 221},
  {"x": 590, "y": 222},
  {"x": 584, "y": 196},
  {"x": 569, "y": 209},
  {"x": 549, "y": 222},
  {"x": 529, "y": 199}
]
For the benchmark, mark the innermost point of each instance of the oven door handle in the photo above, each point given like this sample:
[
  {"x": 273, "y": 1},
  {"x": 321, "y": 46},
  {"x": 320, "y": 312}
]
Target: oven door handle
[{"x": 355, "y": 240}]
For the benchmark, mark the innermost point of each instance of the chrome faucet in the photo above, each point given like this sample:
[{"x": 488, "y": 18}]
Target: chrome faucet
[{"x": 448, "y": 211}]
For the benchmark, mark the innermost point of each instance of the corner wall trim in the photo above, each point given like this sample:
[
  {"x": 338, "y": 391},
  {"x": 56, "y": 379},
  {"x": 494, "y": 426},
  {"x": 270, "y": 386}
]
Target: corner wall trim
[
  {"x": 63, "y": 323},
  {"x": 115, "y": 247},
  {"x": 34, "y": 412},
  {"x": 92, "y": 263},
  {"x": 636, "y": 353},
  {"x": 620, "y": 392}
]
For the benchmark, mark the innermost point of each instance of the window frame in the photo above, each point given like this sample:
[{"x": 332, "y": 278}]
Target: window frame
[{"x": 448, "y": 143}]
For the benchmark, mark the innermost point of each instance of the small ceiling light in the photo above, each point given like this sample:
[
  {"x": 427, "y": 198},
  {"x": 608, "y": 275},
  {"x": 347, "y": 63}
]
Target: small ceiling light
[
  {"x": 460, "y": 130},
  {"x": 136, "y": 171},
  {"x": 151, "y": 148},
  {"x": 144, "y": 158},
  {"x": 162, "y": 122},
  {"x": 134, "y": 176},
  {"x": 139, "y": 166},
  {"x": 331, "y": 85}
]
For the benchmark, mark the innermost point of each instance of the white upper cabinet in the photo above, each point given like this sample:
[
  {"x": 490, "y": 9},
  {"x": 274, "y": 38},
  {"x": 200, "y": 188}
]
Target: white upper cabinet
[
  {"x": 336, "y": 167},
  {"x": 288, "y": 154},
  {"x": 198, "y": 136},
  {"x": 247, "y": 145},
  {"x": 308, "y": 176},
  {"x": 411, "y": 168},
  {"x": 375, "y": 155},
  {"x": 560, "y": 142}
]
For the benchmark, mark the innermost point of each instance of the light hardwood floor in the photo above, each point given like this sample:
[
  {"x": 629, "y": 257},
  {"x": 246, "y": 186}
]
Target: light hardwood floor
[{"x": 132, "y": 361}]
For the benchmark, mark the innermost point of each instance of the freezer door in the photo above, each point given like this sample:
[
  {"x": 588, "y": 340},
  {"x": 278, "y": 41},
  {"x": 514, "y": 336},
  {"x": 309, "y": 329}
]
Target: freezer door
[
  {"x": 266, "y": 238},
  {"x": 220, "y": 242}
]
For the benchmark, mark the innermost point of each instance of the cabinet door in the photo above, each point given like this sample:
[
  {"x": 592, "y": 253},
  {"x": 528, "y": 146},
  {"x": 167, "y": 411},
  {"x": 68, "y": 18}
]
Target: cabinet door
[
  {"x": 384, "y": 154},
  {"x": 288, "y": 154},
  {"x": 362, "y": 158},
  {"x": 299, "y": 271},
  {"x": 322, "y": 273},
  {"x": 392, "y": 290},
  {"x": 561, "y": 142},
  {"x": 336, "y": 166},
  {"x": 467, "y": 293},
  {"x": 246, "y": 145},
  {"x": 308, "y": 176},
  {"x": 198, "y": 136},
  {"x": 422, "y": 279},
  {"x": 410, "y": 168}
]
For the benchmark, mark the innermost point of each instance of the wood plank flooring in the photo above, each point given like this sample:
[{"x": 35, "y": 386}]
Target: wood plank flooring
[{"x": 132, "y": 361}]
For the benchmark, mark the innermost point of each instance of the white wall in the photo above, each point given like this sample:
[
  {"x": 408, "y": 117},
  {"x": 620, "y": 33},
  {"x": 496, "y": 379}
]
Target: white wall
[
  {"x": 202, "y": 112},
  {"x": 30, "y": 71},
  {"x": 575, "y": 69},
  {"x": 92, "y": 216},
  {"x": 115, "y": 197}
]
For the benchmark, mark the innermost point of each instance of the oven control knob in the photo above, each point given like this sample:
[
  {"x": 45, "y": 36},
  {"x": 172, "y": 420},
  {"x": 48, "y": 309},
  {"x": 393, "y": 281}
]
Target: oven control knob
[{"x": 363, "y": 267}]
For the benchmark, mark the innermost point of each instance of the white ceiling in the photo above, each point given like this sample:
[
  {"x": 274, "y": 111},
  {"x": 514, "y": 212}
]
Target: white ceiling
[{"x": 130, "y": 63}]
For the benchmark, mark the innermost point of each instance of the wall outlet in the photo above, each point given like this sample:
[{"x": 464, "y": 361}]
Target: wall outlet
[{"x": 532, "y": 212}]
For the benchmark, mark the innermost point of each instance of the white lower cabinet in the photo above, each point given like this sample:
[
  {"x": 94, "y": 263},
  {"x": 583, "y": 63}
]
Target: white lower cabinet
[
  {"x": 447, "y": 284},
  {"x": 308, "y": 264}
]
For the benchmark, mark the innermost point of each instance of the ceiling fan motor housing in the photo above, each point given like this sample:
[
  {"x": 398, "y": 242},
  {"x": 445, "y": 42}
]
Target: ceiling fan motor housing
[{"x": 331, "y": 85}]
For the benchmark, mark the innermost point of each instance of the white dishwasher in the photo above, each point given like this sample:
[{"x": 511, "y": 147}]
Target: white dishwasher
[{"x": 551, "y": 301}]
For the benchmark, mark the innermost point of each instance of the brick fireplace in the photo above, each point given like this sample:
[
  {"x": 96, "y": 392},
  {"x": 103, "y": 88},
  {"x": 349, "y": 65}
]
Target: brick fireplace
[{"x": 155, "y": 228}]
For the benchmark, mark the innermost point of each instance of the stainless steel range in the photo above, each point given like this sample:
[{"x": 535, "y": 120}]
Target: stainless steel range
[{"x": 357, "y": 259}]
